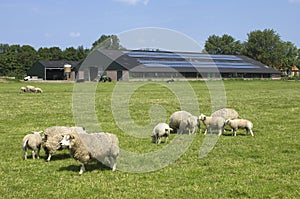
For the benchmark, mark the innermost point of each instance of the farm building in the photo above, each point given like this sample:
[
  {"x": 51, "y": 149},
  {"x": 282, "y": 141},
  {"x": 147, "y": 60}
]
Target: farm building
[
  {"x": 145, "y": 65},
  {"x": 54, "y": 70}
]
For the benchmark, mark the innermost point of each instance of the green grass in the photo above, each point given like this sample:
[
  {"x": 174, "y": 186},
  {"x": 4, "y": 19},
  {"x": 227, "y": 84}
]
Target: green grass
[{"x": 264, "y": 166}]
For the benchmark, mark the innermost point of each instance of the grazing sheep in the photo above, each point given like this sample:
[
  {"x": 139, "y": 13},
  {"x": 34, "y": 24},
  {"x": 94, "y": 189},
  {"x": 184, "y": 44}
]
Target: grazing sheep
[
  {"x": 213, "y": 123},
  {"x": 23, "y": 89},
  {"x": 95, "y": 146},
  {"x": 226, "y": 113},
  {"x": 184, "y": 122},
  {"x": 159, "y": 131},
  {"x": 30, "y": 88},
  {"x": 240, "y": 124},
  {"x": 37, "y": 90},
  {"x": 53, "y": 136},
  {"x": 33, "y": 142}
]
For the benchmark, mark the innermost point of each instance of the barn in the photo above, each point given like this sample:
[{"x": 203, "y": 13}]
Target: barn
[
  {"x": 54, "y": 70},
  {"x": 149, "y": 65}
]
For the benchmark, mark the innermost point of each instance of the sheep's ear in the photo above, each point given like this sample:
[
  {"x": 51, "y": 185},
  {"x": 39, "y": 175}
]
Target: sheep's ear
[
  {"x": 71, "y": 136},
  {"x": 170, "y": 129}
]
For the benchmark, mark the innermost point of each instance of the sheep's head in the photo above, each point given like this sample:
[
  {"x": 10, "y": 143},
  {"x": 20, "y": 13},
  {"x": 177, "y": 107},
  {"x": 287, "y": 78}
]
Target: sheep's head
[
  {"x": 202, "y": 117},
  {"x": 227, "y": 121},
  {"x": 67, "y": 140}
]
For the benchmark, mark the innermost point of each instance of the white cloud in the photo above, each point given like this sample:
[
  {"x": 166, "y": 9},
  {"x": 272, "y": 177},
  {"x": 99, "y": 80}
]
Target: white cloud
[
  {"x": 74, "y": 34},
  {"x": 294, "y": 1},
  {"x": 133, "y": 2}
]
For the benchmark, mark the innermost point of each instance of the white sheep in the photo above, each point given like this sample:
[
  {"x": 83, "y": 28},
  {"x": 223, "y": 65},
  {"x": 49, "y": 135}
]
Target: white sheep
[
  {"x": 213, "y": 124},
  {"x": 37, "y": 90},
  {"x": 184, "y": 122},
  {"x": 159, "y": 131},
  {"x": 240, "y": 124},
  {"x": 23, "y": 89},
  {"x": 226, "y": 113},
  {"x": 33, "y": 142},
  {"x": 95, "y": 146},
  {"x": 30, "y": 88},
  {"x": 53, "y": 136}
]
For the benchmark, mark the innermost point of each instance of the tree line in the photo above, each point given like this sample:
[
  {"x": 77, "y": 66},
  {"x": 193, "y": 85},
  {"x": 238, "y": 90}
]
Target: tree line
[{"x": 265, "y": 46}]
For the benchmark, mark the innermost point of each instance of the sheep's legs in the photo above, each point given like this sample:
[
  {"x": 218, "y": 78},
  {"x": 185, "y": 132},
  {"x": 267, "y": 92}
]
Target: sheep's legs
[
  {"x": 25, "y": 154},
  {"x": 49, "y": 157},
  {"x": 38, "y": 153},
  {"x": 82, "y": 169},
  {"x": 113, "y": 163},
  {"x": 250, "y": 132},
  {"x": 33, "y": 154}
]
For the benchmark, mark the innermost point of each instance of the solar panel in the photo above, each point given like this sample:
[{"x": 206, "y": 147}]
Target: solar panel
[
  {"x": 202, "y": 66},
  {"x": 146, "y": 54},
  {"x": 164, "y": 63}
]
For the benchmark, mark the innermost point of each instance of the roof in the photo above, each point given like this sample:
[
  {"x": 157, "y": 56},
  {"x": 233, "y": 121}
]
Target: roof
[
  {"x": 164, "y": 61},
  {"x": 59, "y": 64},
  {"x": 294, "y": 68}
]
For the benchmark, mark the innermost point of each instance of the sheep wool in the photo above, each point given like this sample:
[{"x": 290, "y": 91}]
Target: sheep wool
[
  {"x": 240, "y": 124},
  {"x": 94, "y": 146},
  {"x": 183, "y": 122},
  {"x": 213, "y": 123},
  {"x": 226, "y": 113},
  {"x": 33, "y": 142},
  {"x": 53, "y": 136},
  {"x": 159, "y": 131}
]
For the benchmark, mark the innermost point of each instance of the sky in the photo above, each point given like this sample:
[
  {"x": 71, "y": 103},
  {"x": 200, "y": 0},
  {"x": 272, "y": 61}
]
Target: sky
[{"x": 73, "y": 23}]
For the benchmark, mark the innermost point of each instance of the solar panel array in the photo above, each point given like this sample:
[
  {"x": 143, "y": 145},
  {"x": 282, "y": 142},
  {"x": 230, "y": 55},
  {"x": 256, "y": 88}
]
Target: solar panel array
[{"x": 196, "y": 60}]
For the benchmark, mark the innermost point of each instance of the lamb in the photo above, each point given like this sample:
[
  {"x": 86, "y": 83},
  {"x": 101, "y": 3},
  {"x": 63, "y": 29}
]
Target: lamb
[
  {"x": 95, "y": 146},
  {"x": 213, "y": 123},
  {"x": 33, "y": 142},
  {"x": 159, "y": 131},
  {"x": 240, "y": 124},
  {"x": 53, "y": 136},
  {"x": 23, "y": 89},
  {"x": 226, "y": 113},
  {"x": 30, "y": 88},
  {"x": 37, "y": 90},
  {"x": 184, "y": 122}
]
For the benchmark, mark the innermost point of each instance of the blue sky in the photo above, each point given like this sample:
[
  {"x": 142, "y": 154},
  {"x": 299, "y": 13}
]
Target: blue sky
[{"x": 66, "y": 23}]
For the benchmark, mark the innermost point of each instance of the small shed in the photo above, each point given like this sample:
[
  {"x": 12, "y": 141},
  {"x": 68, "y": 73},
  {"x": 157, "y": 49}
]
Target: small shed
[{"x": 55, "y": 70}]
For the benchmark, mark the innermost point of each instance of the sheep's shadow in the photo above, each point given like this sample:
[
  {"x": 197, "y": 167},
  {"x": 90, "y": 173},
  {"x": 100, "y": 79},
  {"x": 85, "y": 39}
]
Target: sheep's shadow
[
  {"x": 88, "y": 167},
  {"x": 56, "y": 157}
]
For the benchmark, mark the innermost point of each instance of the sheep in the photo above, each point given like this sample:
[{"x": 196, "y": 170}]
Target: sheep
[
  {"x": 240, "y": 124},
  {"x": 159, "y": 131},
  {"x": 95, "y": 146},
  {"x": 213, "y": 123},
  {"x": 184, "y": 122},
  {"x": 53, "y": 136},
  {"x": 30, "y": 88},
  {"x": 226, "y": 113},
  {"x": 37, "y": 90},
  {"x": 33, "y": 142},
  {"x": 23, "y": 89}
]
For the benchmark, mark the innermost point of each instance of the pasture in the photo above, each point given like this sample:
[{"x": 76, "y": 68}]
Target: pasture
[{"x": 264, "y": 166}]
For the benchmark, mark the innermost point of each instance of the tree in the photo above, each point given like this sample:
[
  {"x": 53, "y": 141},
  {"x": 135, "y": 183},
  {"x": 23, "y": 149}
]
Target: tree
[
  {"x": 53, "y": 53},
  {"x": 111, "y": 42},
  {"x": 70, "y": 54},
  {"x": 290, "y": 56},
  {"x": 15, "y": 60},
  {"x": 223, "y": 45},
  {"x": 266, "y": 47}
]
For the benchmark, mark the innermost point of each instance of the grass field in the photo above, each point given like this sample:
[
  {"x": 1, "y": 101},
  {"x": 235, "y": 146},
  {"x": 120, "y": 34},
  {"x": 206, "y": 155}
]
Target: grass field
[{"x": 264, "y": 166}]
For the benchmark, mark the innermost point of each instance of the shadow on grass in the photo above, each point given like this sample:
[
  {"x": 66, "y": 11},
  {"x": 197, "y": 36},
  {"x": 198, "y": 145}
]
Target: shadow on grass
[
  {"x": 88, "y": 167},
  {"x": 56, "y": 157}
]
